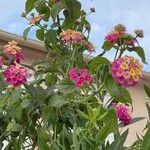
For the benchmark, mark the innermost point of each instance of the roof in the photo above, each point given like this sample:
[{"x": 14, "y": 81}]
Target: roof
[{"x": 39, "y": 46}]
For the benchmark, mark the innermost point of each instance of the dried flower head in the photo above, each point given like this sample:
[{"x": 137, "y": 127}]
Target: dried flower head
[
  {"x": 120, "y": 28},
  {"x": 139, "y": 33},
  {"x": 89, "y": 46},
  {"x": 127, "y": 71}
]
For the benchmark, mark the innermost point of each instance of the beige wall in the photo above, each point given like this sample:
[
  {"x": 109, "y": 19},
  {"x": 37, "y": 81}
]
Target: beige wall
[{"x": 139, "y": 99}]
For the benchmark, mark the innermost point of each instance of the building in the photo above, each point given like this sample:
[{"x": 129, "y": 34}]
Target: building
[{"x": 34, "y": 51}]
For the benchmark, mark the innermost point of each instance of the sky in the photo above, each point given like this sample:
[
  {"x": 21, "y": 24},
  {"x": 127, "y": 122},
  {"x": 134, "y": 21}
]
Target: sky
[{"x": 134, "y": 14}]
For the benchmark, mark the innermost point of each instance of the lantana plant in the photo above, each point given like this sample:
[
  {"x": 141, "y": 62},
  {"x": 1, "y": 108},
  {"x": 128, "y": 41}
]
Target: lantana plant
[{"x": 73, "y": 102}]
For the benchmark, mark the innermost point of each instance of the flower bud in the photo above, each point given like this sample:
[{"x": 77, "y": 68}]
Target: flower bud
[
  {"x": 23, "y": 14},
  {"x": 92, "y": 10}
]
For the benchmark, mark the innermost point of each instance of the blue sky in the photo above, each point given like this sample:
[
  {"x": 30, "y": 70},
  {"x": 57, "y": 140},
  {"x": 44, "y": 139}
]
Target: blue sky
[{"x": 132, "y": 13}]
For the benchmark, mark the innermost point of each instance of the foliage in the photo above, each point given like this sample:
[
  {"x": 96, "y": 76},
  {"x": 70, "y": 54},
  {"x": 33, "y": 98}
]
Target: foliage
[{"x": 52, "y": 112}]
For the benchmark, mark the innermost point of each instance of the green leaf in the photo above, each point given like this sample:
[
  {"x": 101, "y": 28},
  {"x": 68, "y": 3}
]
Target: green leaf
[
  {"x": 137, "y": 119},
  {"x": 134, "y": 120},
  {"x": 4, "y": 99},
  {"x": 43, "y": 145},
  {"x": 104, "y": 131},
  {"x": 38, "y": 93},
  {"x": 66, "y": 86},
  {"x": 40, "y": 34},
  {"x": 15, "y": 111},
  {"x": 50, "y": 79},
  {"x": 43, "y": 134},
  {"x": 107, "y": 46},
  {"x": 56, "y": 9},
  {"x": 140, "y": 51},
  {"x": 57, "y": 101},
  {"x": 147, "y": 90},
  {"x": 66, "y": 138},
  {"x": 49, "y": 115},
  {"x": 73, "y": 10},
  {"x": 119, "y": 142},
  {"x": 51, "y": 36},
  {"x": 87, "y": 26},
  {"x": 146, "y": 141},
  {"x": 82, "y": 114},
  {"x": 40, "y": 6},
  {"x": 75, "y": 138},
  {"x": 14, "y": 127},
  {"x": 3, "y": 84},
  {"x": 97, "y": 62},
  {"x": 119, "y": 93},
  {"x": 16, "y": 95},
  {"x": 29, "y": 5},
  {"x": 25, "y": 32}
]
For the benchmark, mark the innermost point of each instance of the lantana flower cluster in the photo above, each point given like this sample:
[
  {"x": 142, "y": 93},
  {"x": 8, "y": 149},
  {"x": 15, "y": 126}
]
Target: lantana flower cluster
[
  {"x": 15, "y": 74},
  {"x": 126, "y": 70},
  {"x": 123, "y": 113},
  {"x": 36, "y": 19},
  {"x": 74, "y": 37},
  {"x": 80, "y": 78},
  {"x": 71, "y": 37},
  {"x": 12, "y": 50},
  {"x": 115, "y": 35}
]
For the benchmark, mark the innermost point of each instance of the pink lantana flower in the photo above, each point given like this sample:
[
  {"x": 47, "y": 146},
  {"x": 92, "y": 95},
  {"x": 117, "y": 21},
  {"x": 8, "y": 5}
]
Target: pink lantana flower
[
  {"x": 16, "y": 74},
  {"x": 127, "y": 71},
  {"x": 123, "y": 113},
  {"x": 11, "y": 50},
  {"x": 71, "y": 37},
  {"x": 113, "y": 36},
  {"x": 81, "y": 77}
]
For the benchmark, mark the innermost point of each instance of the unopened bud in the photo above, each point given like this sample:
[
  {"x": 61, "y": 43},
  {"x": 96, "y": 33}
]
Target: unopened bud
[
  {"x": 23, "y": 14},
  {"x": 92, "y": 10}
]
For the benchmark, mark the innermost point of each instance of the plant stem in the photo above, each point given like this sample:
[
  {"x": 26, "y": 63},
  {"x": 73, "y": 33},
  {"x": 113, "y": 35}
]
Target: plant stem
[
  {"x": 116, "y": 54},
  {"x": 95, "y": 93},
  {"x": 71, "y": 60},
  {"x": 58, "y": 21}
]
